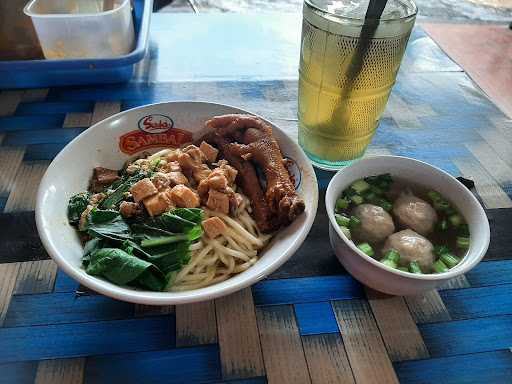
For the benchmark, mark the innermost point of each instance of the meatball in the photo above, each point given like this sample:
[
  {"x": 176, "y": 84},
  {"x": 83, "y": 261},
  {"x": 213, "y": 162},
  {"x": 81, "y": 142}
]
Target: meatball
[
  {"x": 415, "y": 213},
  {"x": 412, "y": 247},
  {"x": 376, "y": 223}
]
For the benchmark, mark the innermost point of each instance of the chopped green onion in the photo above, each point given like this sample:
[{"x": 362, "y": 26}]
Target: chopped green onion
[
  {"x": 456, "y": 220},
  {"x": 414, "y": 267},
  {"x": 376, "y": 190},
  {"x": 342, "y": 220},
  {"x": 357, "y": 200},
  {"x": 442, "y": 225},
  {"x": 441, "y": 250},
  {"x": 354, "y": 222},
  {"x": 370, "y": 197},
  {"x": 403, "y": 269},
  {"x": 384, "y": 185},
  {"x": 462, "y": 242},
  {"x": 155, "y": 163},
  {"x": 366, "y": 248},
  {"x": 463, "y": 230},
  {"x": 439, "y": 266},
  {"x": 386, "y": 205},
  {"x": 341, "y": 204},
  {"x": 389, "y": 263},
  {"x": 441, "y": 205},
  {"x": 450, "y": 211},
  {"x": 360, "y": 186},
  {"x": 372, "y": 180},
  {"x": 391, "y": 258},
  {"x": 392, "y": 255},
  {"x": 386, "y": 177},
  {"x": 449, "y": 259},
  {"x": 348, "y": 193},
  {"x": 434, "y": 196},
  {"x": 346, "y": 232}
]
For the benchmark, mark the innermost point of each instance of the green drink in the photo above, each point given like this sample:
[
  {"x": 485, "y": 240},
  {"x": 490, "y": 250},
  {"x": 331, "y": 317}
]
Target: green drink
[{"x": 339, "y": 107}]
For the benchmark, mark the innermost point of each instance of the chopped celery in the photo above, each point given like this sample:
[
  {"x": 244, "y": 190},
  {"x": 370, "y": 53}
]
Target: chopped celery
[
  {"x": 360, "y": 186},
  {"x": 346, "y": 232},
  {"x": 456, "y": 220},
  {"x": 441, "y": 205},
  {"x": 392, "y": 255},
  {"x": 370, "y": 197},
  {"x": 403, "y": 269},
  {"x": 389, "y": 263},
  {"x": 378, "y": 191},
  {"x": 342, "y": 220},
  {"x": 449, "y": 259},
  {"x": 357, "y": 200},
  {"x": 391, "y": 258},
  {"x": 386, "y": 205},
  {"x": 434, "y": 195},
  {"x": 439, "y": 266},
  {"x": 415, "y": 268},
  {"x": 463, "y": 230},
  {"x": 441, "y": 249},
  {"x": 341, "y": 204},
  {"x": 442, "y": 225},
  {"x": 366, "y": 248},
  {"x": 462, "y": 242}
]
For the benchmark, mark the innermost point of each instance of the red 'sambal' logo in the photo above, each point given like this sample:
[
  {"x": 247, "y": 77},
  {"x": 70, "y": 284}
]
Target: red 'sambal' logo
[
  {"x": 155, "y": 131},
  {"x": 155, "y": 123}
]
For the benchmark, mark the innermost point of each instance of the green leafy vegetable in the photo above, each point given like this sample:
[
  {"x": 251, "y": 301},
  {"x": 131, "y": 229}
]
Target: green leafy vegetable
[
  {"x": 76, "y": 206},
  {"x": 89, "y": 248},
  {"x": 117, "y": 194},
  {"x": 122, "y": 268},
  {"x": 108, "y": 226}
]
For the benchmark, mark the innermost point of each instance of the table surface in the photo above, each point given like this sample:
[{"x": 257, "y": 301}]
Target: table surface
[{"x": 309, "y": 322}]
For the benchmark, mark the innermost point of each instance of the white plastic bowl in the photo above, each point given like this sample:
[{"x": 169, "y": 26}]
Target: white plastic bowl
[
  {"x": 71, "y": 170},
  {"x": 393, "y": 281}
]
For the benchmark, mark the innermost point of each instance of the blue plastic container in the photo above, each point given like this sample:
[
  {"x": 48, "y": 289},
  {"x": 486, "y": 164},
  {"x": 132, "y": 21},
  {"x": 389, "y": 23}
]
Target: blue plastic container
[{"x": 46, "y": 73}]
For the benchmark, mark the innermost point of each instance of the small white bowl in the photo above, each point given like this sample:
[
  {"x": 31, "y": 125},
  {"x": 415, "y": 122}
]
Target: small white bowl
[
  {"x": 379, "y": 276},
  {"x": 101, "y": 145}
]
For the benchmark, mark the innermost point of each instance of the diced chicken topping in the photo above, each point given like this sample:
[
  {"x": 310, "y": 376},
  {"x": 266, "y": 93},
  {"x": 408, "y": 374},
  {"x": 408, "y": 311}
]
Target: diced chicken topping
[
  {"x": 82, "y": 223},
  {"x": 201, "y": 172},
  {"x": 143, "y": 189},
  {"x": 218, "y": 201},
  {"x": 173, "y": 156},
  {"x": 214, "y": 227},
  {"x": 129, "y": 209},
  {"x": 195, "y": 153},
  {"x": 228, "y": 171},
  {"x": 159, "y": 203},
  {"x": 137, "y": 165},
  {"x": 209, "y": 151},
  {"x": 184, "y": 197},
  {"x": 160, "y": 180},
  {"x": 171, "y": 166},
  {"x": 177, "y": 178}
]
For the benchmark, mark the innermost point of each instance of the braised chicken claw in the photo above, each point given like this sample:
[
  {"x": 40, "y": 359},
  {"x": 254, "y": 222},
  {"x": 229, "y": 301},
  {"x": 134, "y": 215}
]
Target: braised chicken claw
[{"x": 258, "y": 145}]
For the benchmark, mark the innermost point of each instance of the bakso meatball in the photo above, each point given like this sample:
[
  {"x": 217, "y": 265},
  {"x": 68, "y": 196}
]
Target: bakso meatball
[
  {"x": 412, "y": 247},
  {"x": 415, "y": 213},
  {"x": 376, "y": 223}
]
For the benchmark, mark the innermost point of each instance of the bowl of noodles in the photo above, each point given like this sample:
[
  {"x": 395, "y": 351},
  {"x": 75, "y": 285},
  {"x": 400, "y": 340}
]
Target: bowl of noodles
[{"x": 176, "y": 202}]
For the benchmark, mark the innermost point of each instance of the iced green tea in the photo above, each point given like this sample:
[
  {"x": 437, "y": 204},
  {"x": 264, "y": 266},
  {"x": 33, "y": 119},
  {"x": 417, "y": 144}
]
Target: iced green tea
[{"x": 338, "y": 115}]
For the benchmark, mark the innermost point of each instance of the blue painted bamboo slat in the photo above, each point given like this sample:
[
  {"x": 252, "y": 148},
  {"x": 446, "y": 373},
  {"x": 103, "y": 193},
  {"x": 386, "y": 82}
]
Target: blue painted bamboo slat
[
  {"x": 490, "y": 273},
  {"x": 315, "y": 318},
  {"x": 63, "y": 308},
  {"x": 487, "y": 367},
  {"x": 85, "y": 339},
  {"x": 306, "y": 289},
  {"x": 50, "y": 108},
  {"x": 467, "y": 336},
  {"x": 182, "y": 365}
]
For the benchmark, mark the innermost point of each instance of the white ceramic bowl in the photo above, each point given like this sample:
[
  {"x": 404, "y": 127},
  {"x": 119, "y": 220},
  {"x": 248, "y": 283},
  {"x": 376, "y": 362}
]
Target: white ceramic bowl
[
  {"x": 393, "y": 281},
  {"x": 99, "y": 145}
]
